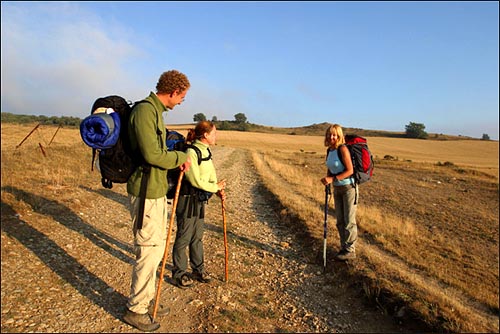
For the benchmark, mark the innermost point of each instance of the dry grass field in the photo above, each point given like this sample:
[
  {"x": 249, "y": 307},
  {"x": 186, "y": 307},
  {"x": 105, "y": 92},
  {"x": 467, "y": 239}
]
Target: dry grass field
[{"x": 428, "y": 221}]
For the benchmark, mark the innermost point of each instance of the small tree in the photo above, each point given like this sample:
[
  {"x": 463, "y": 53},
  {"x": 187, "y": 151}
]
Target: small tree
[
  {"x": 243, "y": 127},
  {"x": 214, "y": 119},
  {"x": 223, "y": 125},
  {"x": 199, "y": 117},
  {"x": 485, "y": 137},
  {"x": 416, "y": 130},
  {"x": 240, "y": 118}
]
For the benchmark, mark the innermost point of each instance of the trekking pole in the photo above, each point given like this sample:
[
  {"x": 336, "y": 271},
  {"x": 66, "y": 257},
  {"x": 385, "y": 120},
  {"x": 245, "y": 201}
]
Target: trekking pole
[
  {"x": 327, "y": 191},
  {"x": 226, "y": 253},
  {"x": 165, "y": 254}
]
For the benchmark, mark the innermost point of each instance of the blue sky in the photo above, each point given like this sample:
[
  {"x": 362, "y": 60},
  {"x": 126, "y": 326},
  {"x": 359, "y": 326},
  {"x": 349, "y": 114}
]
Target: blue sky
[{"x": 370, "y": 65}]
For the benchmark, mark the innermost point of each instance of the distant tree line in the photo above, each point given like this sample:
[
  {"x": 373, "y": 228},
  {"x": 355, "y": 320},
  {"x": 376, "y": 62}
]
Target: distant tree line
[
  {"x": 417, "y": 130},
  {"x": 67, "y": 121},
  {"x": 240, "y": 122}
]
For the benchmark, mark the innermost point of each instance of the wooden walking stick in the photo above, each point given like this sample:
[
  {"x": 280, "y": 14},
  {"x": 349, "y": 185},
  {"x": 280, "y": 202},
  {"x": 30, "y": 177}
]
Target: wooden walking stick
[
  {"x": 225, "y": 241},
  {"x": 165, "y": 254}
]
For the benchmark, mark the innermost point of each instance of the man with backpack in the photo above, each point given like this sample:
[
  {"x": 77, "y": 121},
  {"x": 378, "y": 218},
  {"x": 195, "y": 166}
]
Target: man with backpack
[{"x": 147, "y": 133}]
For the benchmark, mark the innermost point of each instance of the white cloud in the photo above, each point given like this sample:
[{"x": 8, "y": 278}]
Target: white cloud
[{"x": 56, "y": 59}]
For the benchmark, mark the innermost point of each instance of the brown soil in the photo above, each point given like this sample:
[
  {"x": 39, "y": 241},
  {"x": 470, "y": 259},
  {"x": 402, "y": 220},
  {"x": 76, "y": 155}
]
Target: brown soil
[{"x": 66, "y": 263}]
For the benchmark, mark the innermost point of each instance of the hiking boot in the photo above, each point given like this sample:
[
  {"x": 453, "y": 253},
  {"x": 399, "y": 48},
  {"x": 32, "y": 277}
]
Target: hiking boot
[
  {"x": 142, "y": 322},
  {"x": 345, "y": 255},
  {"x": 160, "y": 312},
  {"x": 203, "y": 277},
  {"x": 183, "y": 282}
]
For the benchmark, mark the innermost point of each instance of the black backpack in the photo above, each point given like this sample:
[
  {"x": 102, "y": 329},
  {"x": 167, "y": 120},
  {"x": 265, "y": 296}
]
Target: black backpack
[
  {"x": 177, "y": 142},
  {"x": 106, "y": 132},
  {"x": 362, "y": 159}
]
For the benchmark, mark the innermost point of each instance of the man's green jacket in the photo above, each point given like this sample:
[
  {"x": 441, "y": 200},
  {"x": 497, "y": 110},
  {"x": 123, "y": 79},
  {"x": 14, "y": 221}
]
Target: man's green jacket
[{"x": 147, "y": 134}]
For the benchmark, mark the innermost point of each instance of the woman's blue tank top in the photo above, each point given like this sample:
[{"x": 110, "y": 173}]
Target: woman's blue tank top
[{"x": 335, "y": 166}]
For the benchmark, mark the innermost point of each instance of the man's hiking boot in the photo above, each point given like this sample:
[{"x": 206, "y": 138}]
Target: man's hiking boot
[
  {"x": 345, "y": 255},
  {"x": 160, "y": 312},
  {"x": 183, "y": 282},
  {"x": 142, "y": 322},
  {"x": 203, "y": 277}
]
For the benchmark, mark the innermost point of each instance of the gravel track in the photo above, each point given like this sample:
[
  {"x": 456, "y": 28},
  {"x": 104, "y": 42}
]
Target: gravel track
[{"x": 66, "y": 264}]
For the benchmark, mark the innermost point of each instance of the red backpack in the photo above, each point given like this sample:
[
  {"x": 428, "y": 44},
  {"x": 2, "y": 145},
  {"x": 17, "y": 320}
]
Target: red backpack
[{"x": 362, "y": 160}]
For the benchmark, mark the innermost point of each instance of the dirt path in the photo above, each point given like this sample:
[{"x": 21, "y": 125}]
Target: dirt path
[
  {"x": 275, "y": 283},
  {"x": 66, "y": 265}
]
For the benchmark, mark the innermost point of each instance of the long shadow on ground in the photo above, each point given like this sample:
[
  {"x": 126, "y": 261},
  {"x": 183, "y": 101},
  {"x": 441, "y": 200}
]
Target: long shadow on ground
[
  {"x": 114, "y": 196},
  {"x": 64, "y": 265},
  {"x": 68, "y": 218}
]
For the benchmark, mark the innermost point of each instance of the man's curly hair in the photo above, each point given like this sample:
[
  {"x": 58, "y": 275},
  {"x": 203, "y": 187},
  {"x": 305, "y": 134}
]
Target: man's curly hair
[{"x": 171, "y": 81}]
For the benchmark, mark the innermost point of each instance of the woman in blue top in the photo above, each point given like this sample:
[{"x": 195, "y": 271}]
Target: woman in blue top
[{"x": 340, "y": 173}]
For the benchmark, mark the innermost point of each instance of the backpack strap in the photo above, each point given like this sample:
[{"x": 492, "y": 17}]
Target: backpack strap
[
  {"x": 198, "y": 153},
  {"x": 93, "y": 159},
  {"x": 328, "y": 173},
  {"x": 209, "y": 155},
  {"x": 340, "y": 154},
  {"x": 188, "y": 189},
  {"x": 356, "y": 197},
  {"x": 146, "y": 171}
]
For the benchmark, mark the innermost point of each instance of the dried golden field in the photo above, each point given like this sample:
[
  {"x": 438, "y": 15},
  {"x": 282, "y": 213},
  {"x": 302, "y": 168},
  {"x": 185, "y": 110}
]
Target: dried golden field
[{"x": 428, "y": 221}]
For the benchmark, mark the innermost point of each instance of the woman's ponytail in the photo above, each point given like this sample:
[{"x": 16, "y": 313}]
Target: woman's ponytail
[{"x": 191, "y": 135}]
